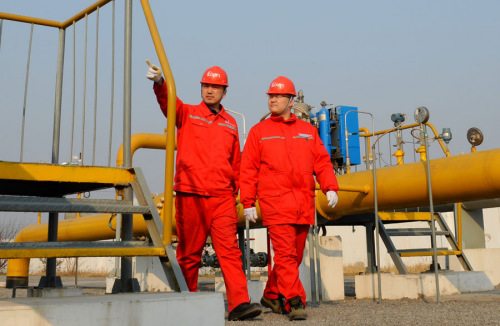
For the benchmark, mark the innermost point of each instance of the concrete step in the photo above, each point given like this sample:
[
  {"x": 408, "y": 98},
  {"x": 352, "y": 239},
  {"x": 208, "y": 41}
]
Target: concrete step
[{"x": 166, "y": 309}]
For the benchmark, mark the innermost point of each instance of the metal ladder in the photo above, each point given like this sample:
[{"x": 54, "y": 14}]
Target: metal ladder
[
  {"x": 397, "y": 254},
  {"x": 31, "y": 187}
]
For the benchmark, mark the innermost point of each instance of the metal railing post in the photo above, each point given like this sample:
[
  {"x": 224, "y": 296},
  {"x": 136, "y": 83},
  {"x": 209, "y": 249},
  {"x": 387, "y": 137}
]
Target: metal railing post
[
  {"x": 375, "y": 203},
  {"x": 247, "y": 223},
  {"x": 50, "y": 276},
  {"x": 431, "y": 206},
  {"x": 127, "y": 219}
]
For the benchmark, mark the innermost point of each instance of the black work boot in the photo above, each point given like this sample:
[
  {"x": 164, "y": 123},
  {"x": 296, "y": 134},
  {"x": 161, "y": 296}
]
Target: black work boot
[
  {"x": 245, "y": 311},
  {"x": 297, "y": 310},
  {"x": 276, "y": 305}
]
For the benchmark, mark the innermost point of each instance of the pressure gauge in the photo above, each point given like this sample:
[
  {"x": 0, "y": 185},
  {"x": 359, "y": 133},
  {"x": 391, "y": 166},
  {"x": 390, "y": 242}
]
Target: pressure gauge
[
  {"x": 475, "y": 136},
  {"x": 421, "y": 115}
]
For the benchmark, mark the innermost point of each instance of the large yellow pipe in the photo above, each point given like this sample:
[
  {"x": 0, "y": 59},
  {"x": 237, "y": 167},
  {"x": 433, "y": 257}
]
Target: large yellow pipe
[{"x": 467, "y": 177}]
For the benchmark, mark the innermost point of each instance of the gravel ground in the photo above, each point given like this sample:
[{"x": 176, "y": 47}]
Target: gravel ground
[
  {"x": 398, "y": 312},
  {"x": 391, "y": 312},
  {"x": 465, "y": 309}
]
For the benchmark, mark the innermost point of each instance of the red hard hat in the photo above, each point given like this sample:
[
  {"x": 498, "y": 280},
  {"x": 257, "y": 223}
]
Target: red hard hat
[
  {"x": 282, "y": 85},
  {"x": 215, "y": 75}
]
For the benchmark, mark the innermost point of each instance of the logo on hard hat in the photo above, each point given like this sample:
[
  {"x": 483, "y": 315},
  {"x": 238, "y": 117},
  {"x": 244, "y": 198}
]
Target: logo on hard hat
[
  {"x": 213, "y": 74},
  {"x": 278, "y": 85}
]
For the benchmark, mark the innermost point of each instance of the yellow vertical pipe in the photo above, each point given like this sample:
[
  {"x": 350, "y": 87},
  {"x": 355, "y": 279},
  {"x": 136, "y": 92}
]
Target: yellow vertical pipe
[
  {"x": 399, "y": 156},
  {"x": 459, "y": 226},
  {"x": 367, "y": 135},
  {"x": 172, "y": 102},
  {"x": 79, "y": 197},
  {"x": 421, "y": 151}
]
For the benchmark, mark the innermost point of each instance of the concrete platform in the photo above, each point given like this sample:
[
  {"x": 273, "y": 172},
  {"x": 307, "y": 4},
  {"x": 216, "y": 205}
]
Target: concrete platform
[
  {"x": 481, "y": 259},
  {"x": 116, "y": 310},
  {"x": 421, "y": 285}
]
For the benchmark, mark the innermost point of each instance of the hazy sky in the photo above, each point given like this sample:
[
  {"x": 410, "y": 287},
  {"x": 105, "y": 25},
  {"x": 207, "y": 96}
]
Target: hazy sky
[{"x": 380, "y": 56}]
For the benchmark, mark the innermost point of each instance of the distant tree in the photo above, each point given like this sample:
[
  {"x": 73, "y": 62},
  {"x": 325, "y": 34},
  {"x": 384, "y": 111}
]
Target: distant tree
[{"x": 8, "y": 231}]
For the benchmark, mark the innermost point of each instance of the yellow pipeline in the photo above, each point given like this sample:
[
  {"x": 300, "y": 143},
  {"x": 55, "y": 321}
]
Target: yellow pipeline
[
  {"x": 467, "y": 177},
  {"x": 367, "y": 134},
  {"x": 142, "y": 140}
]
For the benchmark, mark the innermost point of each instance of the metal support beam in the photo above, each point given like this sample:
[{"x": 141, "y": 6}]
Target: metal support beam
[
  {"x": 152, "y": 219},
  {"x": 172, "y": 259},
  {"x": 51, "y": 280},
  {"x": 370, "y": 247},
  {"x": 78, "y": 249},
  {"x": 68, "y": 205},
  {"x": 391, "y": 249},
  {"x": 453, "y": 243},
  {"x": 127, "y": 285}
]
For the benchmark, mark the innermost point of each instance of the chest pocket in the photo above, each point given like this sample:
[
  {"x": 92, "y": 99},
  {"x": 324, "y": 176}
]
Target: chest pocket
[
  {"x": 304, "y": 150},
  {"x": 229, "y": 136},
  {"x": 199, "y": 127}
]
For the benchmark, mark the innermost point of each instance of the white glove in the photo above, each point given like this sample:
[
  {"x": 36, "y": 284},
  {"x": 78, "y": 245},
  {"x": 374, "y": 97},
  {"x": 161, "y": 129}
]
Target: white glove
[
  {"x": 251, "y": 214},
  {"x": 332, "y": 198},
  {"x": 154, "y": 72}
]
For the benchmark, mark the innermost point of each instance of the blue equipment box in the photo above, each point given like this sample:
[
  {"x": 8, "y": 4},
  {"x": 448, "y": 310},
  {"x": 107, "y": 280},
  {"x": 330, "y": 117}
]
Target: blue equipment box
[{"x": 351, "y": 122}]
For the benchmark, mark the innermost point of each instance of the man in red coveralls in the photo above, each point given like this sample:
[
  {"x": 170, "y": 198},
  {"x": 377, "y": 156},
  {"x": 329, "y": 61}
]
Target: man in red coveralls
[
  {"x": 281, "y": 156},
  {"x": 206, "y": 184}
]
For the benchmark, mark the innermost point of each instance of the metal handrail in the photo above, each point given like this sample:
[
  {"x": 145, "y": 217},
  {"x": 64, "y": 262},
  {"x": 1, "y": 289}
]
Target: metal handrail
[
  {"x": 53, "y": 23},
  {"x": 171, "y": 106},
  {"x": 84, "y": 12}
]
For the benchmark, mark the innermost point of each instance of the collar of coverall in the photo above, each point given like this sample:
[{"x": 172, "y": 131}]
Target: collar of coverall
[
  {"x": 279, "y": 118},
  {"x": 221, "y": 112}
]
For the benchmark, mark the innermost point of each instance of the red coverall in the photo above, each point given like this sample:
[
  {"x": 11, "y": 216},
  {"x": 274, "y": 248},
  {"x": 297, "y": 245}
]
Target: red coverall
[
  {"x": 278, "y": 164},
  {"x": 207, "y": 182}
]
